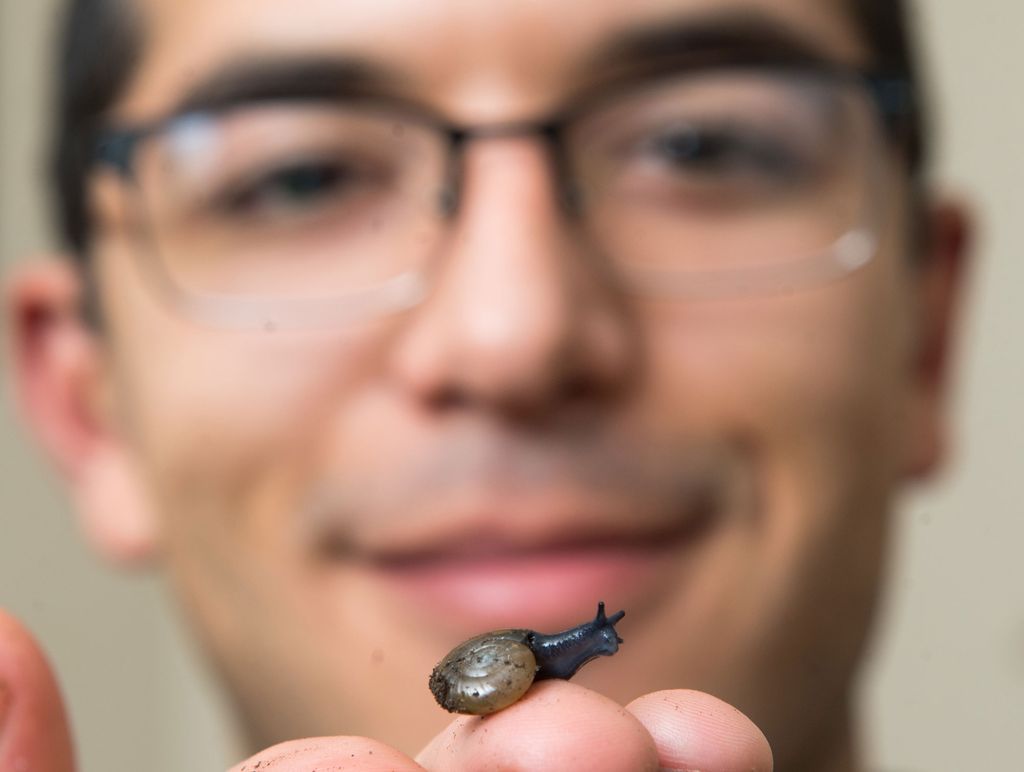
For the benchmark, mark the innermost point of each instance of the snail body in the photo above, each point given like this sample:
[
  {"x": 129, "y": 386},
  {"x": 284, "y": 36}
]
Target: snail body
[{"x": 491, "y": 671}]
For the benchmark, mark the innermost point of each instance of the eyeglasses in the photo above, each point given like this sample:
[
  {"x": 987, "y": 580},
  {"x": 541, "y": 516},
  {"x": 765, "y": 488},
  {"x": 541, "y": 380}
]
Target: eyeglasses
[{"x": 314, "y": 212}]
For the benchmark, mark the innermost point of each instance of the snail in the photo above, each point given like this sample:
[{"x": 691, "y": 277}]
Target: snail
[{"x": 491, "y": 671}]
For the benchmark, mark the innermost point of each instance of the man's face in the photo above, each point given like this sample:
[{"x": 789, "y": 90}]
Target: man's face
[{"x": 337, "y": 509}]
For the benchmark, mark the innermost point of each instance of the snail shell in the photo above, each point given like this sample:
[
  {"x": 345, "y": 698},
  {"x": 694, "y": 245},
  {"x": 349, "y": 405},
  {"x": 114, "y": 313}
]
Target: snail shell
[
  {"x": 493, "y": 670},
  {"x": 485, "y": 674}
]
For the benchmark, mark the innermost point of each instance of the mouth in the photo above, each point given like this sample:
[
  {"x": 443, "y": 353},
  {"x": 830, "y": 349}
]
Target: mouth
[
  {"x": 529, "y": 539},
  {"x": 483, "y": 577}
]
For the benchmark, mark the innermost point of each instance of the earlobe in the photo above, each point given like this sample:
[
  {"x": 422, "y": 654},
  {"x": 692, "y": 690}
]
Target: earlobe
[
  {"x": 113, "y": 507},
  {"x": 58, "y": 380},
  {"x": 940, "y": 282}
]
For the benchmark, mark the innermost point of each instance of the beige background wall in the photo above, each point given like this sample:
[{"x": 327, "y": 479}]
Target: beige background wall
[{"x": 945, "y": 690}]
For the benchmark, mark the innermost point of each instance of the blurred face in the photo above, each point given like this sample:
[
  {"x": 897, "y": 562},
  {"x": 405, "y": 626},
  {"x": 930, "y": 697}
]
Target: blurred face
[{"x": 338, "y": 507}]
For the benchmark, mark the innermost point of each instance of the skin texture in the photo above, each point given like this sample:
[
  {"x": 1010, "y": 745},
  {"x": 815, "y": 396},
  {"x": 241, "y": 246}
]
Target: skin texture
[{"x": 202, "y": 450}]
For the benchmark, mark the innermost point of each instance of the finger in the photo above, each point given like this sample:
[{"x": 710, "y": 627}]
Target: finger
[
  {"x": 694, "y": 730},
  {"x": 355, "y": 753},
  {"x": 557, "y": 725},
  {"x": 34, "y": 733}
]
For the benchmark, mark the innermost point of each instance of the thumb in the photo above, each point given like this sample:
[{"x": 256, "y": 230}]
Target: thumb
[{"x": 34, "y": 733}]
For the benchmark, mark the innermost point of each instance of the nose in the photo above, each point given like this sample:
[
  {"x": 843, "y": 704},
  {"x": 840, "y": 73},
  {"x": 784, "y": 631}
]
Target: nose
[{"x": 523, "y": 317}]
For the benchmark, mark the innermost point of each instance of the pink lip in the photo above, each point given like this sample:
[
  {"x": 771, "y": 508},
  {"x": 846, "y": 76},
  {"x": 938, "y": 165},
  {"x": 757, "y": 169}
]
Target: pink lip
[{"x": 541, "y": 588}]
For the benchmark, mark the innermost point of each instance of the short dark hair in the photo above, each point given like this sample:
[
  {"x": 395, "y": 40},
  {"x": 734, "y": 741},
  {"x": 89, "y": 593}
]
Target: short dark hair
[
  {"x": 101, "y": 42},
  {"x": 97, "y": 52}
]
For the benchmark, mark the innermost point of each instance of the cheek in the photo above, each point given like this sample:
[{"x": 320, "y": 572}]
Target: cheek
[
  {"x": 813, "y": 389},
  {"x": 216, "y": 417},
  {"x": 218, "y": 406},
  {"x": 228, "y": 427},
  {"x": 823, "y": 371}
]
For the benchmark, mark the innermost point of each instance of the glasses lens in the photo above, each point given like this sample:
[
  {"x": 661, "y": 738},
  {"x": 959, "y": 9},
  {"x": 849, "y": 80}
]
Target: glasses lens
[
  {"x": 727, "y": 173},
  {"x": 724, "y": 180},
  {"x": 291, "y": 201}
]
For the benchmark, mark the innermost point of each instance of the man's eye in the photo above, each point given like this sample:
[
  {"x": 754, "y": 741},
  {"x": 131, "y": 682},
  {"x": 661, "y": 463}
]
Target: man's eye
[
  {"x": 724, "y": 152},
  {"x": 293, "y": 189}
]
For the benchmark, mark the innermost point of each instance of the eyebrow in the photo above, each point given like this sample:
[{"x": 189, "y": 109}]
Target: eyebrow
[
  {"x": 738, "y": 36},
  {"x": 694, "y": 41},
  {"x": 258, "y": 76}
]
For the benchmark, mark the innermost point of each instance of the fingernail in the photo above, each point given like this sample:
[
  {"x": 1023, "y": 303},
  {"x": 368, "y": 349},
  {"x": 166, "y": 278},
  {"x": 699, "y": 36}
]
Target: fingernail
[{"x": 5, "y": 704}]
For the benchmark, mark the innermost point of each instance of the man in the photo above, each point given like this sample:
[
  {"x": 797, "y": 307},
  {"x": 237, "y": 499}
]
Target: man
[{"x": 396, "y": 322}]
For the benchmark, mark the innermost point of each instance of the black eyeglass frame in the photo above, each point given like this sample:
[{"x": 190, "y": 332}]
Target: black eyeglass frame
[
  {"x": 116, "y": 147},
  {"x": 892, "y": 95}
]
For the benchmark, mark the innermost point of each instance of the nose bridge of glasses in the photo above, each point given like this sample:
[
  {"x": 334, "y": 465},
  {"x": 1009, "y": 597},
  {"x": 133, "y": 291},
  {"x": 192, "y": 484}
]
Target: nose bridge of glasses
[
  {"x": 546, "y": 135},
  {"x": 510, "y": 224}
]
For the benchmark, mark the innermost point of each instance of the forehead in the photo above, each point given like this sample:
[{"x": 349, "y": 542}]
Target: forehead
[{"x": 477, "y": 59}]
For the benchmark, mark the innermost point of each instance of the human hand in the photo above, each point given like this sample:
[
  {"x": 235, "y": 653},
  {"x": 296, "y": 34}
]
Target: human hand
[
  {"x": 557, "y": 725},
  {"x": 34, "y": 733}
]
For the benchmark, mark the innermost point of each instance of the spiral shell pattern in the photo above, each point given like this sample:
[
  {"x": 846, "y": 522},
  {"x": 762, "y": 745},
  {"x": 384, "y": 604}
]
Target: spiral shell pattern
[{"x": 485, "y": 674}]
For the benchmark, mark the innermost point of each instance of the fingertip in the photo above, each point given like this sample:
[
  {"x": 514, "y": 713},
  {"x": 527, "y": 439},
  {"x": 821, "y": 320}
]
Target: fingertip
[
  {"x": 557, "y": 725},
  {"x": 329, "y": 752},
  {"x": 34, "y": 731},
  {"x": 693, "y": 730}
]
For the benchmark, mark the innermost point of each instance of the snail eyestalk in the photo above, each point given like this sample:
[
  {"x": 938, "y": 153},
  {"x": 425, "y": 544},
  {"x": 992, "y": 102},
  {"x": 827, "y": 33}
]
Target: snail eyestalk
[{"x": 492, "y": 671}]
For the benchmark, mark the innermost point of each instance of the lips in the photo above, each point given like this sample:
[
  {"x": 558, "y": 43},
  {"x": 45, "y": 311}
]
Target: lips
[
  {"x": 540, "y": 573},
  {"x": 542, "y": 587},
  {"x": 529, "y": 538}
]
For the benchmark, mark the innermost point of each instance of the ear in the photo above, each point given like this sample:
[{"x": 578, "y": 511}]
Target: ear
[
  {"x": 940, "y": 283},
  {"x": 62, "y": 390}
]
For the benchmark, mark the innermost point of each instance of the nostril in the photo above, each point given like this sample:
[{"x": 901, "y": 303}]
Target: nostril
[
  {"x": 578, "y": 388},
  {"x": 523, "y": 402},
  {"x": 449, "y": 398}
]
